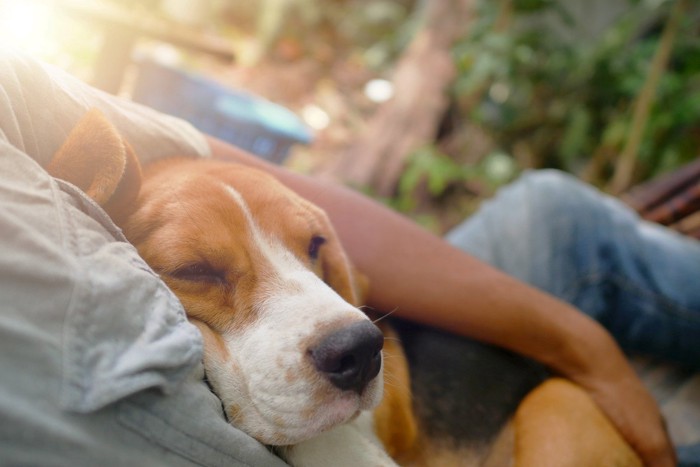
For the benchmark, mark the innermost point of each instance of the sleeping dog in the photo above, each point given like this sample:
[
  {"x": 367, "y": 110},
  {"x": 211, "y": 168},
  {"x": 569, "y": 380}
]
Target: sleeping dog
[{"x": 296, "y": 364}]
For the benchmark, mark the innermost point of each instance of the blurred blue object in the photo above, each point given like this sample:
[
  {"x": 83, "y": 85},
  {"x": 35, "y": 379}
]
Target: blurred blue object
[{"x": 242, "y": 119}]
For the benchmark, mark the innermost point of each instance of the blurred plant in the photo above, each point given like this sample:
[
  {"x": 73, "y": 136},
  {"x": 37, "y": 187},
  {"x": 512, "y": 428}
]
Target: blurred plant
[
  {"x": 430, "y": 169},
  {"x": 437, "y": 191},
  {"x": 566, "y": 102}
]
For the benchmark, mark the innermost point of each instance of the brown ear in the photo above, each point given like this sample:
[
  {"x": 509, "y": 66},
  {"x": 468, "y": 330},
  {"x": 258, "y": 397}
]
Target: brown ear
[{"x": 97, "y": 160}]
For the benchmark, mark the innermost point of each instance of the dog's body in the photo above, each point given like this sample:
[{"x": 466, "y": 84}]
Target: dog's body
[{"x": 296, "y": 364}]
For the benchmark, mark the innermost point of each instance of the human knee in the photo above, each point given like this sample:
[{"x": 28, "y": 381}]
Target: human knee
[
  {"x": 525, "y": 207},
  {"x": 540, "y": 208},
  {"x": 554, "y": 194},
  {"x": 548, "y": 187}
]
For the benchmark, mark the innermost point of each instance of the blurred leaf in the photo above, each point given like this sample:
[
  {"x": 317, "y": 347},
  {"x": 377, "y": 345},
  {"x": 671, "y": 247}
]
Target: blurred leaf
[
  {"x": 567, "y": 99},
  {"x": 576, "y": 134}
]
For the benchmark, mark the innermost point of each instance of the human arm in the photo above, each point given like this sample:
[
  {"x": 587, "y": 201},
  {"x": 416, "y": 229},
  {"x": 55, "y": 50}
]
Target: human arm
[{"x": 427, "y": 280}]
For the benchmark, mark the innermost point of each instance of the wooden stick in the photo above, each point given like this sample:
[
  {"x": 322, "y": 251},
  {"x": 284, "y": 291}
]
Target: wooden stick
[{"x": 624, "y": 169}]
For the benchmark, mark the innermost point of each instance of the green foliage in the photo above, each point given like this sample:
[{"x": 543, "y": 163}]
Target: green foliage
[
  {"x": 435, "y": 170},
  {"x": 569, "y": 99},
  {"x": 432, "y": 175}
]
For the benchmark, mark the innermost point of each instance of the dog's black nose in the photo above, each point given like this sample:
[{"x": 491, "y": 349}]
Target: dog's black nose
[{"x": 350, "y": 357}]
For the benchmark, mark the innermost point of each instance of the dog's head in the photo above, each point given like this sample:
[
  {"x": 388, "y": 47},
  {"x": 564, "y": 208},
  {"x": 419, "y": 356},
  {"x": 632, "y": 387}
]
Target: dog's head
[{"x": 259, "y": 270}]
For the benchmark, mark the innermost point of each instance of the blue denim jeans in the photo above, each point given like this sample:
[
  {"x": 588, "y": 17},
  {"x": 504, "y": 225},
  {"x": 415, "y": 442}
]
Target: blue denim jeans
[{"x": 640, "y": 280}]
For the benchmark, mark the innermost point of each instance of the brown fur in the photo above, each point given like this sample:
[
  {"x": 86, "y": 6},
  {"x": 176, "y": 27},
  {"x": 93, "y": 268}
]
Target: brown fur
[
  {"x": 394, "y": 420},
  {"x": 96, "y": 159},
  {"x": 558, "y": 425}
]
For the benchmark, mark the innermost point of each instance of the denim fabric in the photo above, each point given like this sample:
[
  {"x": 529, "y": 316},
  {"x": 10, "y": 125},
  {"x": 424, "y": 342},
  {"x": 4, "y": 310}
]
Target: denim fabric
[{"x": 640, "y": 280}]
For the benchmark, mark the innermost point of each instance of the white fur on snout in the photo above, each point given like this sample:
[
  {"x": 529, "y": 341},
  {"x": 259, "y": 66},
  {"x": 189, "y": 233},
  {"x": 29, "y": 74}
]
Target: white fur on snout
[{"x": 267, "y": 381}]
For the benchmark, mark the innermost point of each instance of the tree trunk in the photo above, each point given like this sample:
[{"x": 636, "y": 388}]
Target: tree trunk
[{"x": 411, "y": 118}]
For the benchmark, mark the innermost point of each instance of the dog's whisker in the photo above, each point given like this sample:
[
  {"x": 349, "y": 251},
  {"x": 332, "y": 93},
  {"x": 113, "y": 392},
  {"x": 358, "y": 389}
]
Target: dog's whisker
[
  {"x": 385, "y": 315},
  {"x": 393, "y": 383},
  {"x": 395, "y": 339},
  {"x": 388, "y": 355}
]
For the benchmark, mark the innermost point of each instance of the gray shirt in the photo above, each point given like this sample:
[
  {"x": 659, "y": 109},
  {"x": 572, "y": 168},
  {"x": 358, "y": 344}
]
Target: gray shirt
[{"x": 99, "y": 364}]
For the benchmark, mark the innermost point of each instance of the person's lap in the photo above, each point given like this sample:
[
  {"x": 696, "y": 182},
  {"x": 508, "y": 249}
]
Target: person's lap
[{"x": 636, "y": 278}]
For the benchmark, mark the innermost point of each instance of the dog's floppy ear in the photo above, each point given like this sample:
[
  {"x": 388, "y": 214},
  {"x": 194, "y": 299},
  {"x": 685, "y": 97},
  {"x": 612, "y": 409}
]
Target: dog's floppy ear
[{"x": 100, "y": 162}]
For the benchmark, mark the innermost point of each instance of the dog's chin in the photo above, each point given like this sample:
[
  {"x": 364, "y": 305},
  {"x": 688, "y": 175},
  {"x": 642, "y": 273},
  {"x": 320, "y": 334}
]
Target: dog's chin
[
  {"x": 343, "y": 410},
  {"x": 292, "y": 428}
]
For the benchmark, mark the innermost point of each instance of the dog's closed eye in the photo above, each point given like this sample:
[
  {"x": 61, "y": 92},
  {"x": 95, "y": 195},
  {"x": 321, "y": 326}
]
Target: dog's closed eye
[
  {"x": 199, "y": 272},
  {"x": 315, "y": 246}
]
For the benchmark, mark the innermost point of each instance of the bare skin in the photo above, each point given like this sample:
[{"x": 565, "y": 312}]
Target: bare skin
[{"x": 453, "y": 290}]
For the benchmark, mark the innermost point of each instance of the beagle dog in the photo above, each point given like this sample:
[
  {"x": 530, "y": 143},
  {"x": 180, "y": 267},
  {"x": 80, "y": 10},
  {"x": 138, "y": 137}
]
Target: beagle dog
[{"x": 295, "y": 362}]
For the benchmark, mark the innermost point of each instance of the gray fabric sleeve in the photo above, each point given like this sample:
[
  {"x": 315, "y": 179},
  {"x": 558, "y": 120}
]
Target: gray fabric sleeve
[{"x": 40, "y": 104}]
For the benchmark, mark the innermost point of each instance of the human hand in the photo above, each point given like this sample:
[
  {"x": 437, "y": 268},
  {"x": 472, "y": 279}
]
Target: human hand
[{"x": 621, "y": 395}]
